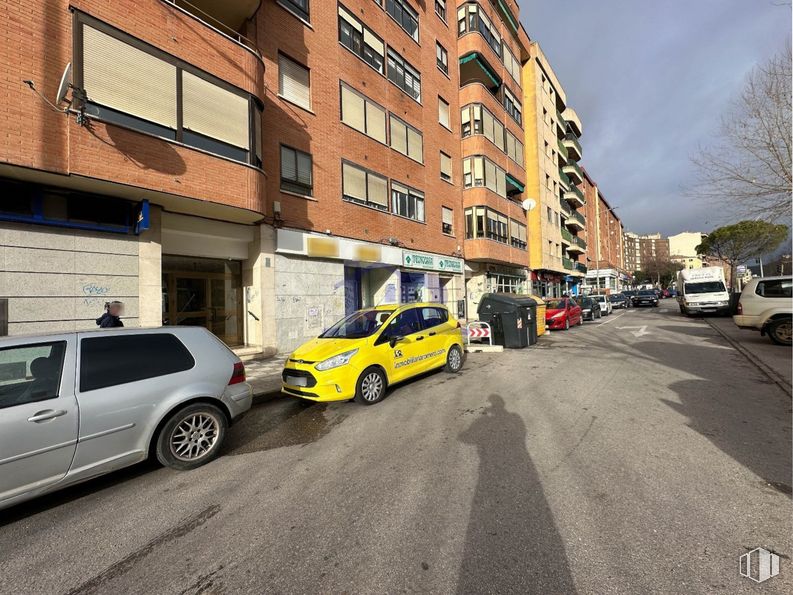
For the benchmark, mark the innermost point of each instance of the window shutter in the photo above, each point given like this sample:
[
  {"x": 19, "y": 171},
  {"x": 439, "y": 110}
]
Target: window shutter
[
  {"x": 352, "y": 109},
  {"x": 501, "y": 182},
  {"x": 372, "y": 41},
  {"x": 354, "y": 181},
  {"x": 466, "y": 166},
  {"x": 288, "y": 164},
  {"x": 127, "y": 79},
  {"x": 490, "y": 176},
  {"x": 293, "y": 82},
  {"x": 479, "y": 168},
  {"x": 399, "y": 136},
  {"x": 498, "y": 134},
  {"x": 415, "y": 145},
  {"x": 353, "y": 22},
  {"x": 446, "y": 165},
  {"x": 375, "y": 122},
  {"x": 488, "y": 124},
  {"x": 214, "y": 112},
  {"x": 465, "y": 115},
  {"x": 378, "y": 190},
  {"x": 443, "y": 112},
  {"x": 304, "y": 169},
  {"x": 448, "y": 216}
]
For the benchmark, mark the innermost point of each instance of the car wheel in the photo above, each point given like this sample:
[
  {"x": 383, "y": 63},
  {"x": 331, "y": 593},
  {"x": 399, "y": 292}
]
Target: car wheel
[
  {"x": 454, "y": 360},
  {"x": 371, "y": 386},
  {"x": 580, "y": 321},
  {"x": 780, "y": 331},
  {"x": 191, "y": 437}
]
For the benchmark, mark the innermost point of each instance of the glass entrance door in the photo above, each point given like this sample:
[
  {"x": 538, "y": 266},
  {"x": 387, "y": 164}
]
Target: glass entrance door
[{"x": 203, "y": 292}]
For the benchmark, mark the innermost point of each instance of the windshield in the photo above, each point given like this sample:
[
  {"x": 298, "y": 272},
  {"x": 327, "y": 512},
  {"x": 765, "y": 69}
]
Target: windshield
[
  {"x": 647, "y": 292},
  {"x": 705, "y": 287},
  {"x": 556, "y": 304},
  {"x": 357, "y": 325}
]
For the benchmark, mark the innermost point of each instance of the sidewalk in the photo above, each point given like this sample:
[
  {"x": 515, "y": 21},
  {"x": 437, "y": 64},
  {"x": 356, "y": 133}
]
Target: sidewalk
[
  {"x": 264, "y": 375},
  {"x": 773, "y": 359}
]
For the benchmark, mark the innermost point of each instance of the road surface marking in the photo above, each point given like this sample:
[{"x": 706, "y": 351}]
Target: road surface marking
[
  {"x": 613, "y": 319},
  {"x": 642, "y": 330}
]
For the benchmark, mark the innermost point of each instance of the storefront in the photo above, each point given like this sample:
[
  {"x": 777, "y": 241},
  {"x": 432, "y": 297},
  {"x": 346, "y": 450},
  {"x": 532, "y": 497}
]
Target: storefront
[
  {"x": 319, "y": 279},
  {"x": 548, "y": 284},
  {"x": 484, "y": 278}
]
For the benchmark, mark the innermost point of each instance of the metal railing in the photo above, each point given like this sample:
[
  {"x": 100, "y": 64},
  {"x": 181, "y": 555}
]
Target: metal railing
[
  {"x": 579, "y": 242},
  {"x": 576, "y": 168},
  {"x": 576, "y": 216},
  {"x": 571, "y": 138},
  {"x": 565, "y": 207},
  {"x": 577, "y": 194},
  {"x": 566, "y": 235},
  {"x": 213, "y": 23},
  {"x": 580, "y": 267},
  {"x": 567, "y": 263}
]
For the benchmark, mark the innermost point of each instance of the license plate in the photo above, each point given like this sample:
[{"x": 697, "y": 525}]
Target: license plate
[{"x": 296, "y": 380}]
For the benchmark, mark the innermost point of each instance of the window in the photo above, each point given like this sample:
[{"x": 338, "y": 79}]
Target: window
[
  {"x": 407, "y": 202},
  {"x": 405, "y": 16},
  {"x": 363, "y": 186},
  {"x": 512, "y": 65},
  {"x": 446, "y": 167},
  {"x": 293, "y": 82},
  {"x": 483, "y": 222},
  {"x": 448, "y": 220},
  {"x": 30, "y": 373},
  {"x": 550, "y": 214},
  {"x": 362, "y": 113},
  {"x": 517, "y": 234},
  {"x": 433, "y": 316},
  {"x": 514, "y": 148},
  {"x": 405, "y": 139},
  {"x": 512, "y": 106},
  {"x": 443, "y": 113},
  {"x": 299, "y": 8},
  {"x": 471, "y": 18},
  {"x": 296, "y": 171},
  {"x": 442, "y": 58},
  {"x": 404, "y": 324},
  {"x": 360, "y": 40},
  {"x": 131, "y": 84},
  {"x": 480, "y": 171},
  {"x": 440, "y": 9},
  {"x": 120, "y": 359},
  {"x": 776, "y": 288},
  {"x": 509, "y": 284},
  {"x": 477, "y": 119},
  {"x": 403, "y": 75}
]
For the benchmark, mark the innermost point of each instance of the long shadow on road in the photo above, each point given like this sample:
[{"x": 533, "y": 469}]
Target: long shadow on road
[{"x": 512, "y": 544}]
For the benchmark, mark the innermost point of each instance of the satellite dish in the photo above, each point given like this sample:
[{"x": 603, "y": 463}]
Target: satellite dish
[
  {"x": 529, "y": 204},
  {"x": 66, "y": 82}
]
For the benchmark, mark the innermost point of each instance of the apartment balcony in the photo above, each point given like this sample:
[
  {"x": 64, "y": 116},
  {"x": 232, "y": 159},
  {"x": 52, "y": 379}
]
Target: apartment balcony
[
  {"x": 576, "y": 220},
  {"x": 475, "y": 69},
  {"x": 562, "y": 151},
  {"x": 573, "y": 171},
  {"x": 580, "y": 267},
  {"x": 572, "y": 147},
  {"x": 567, "y": 237},
  {"x": 561, "y": 126},
  {"x": 567, "y": 263},
  {"x": 565, "y": 208},
  {"x": 577, "y": 245},
  {"x": 573, "y": 121},
  {"x": 226, "y": 17},
  {"x": 575, "y": 196}
]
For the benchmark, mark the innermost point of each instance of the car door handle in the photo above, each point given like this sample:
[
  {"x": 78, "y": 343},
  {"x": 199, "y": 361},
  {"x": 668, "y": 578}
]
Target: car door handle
[
  {"x": 432, "y": 334},
  {"x": 419, "y": 338},
  {"x": 46, "y": 414}
]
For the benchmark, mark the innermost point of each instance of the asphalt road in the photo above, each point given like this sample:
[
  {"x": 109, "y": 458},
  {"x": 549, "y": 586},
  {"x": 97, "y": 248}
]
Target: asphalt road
[{"x": 638, "y": 455}]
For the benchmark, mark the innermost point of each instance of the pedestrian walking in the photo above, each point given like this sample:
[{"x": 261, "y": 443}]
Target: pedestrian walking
[{"x": 111, "y": 317}]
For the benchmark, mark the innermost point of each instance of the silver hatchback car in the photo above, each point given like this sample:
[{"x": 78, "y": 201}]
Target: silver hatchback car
[{"x": 77, "y": 405}]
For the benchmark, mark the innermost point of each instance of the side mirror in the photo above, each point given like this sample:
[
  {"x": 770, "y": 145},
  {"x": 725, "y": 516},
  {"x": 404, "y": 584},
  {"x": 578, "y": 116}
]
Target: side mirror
[{"x": 394, "y": 340}]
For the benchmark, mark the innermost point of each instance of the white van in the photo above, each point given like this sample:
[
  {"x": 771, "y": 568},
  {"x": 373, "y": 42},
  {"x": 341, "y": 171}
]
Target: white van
[{"x": 701, "y": 291}]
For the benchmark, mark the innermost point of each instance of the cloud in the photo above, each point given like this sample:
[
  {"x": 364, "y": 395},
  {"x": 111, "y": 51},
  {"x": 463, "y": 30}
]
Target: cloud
[{"x": 650, "y": 81}]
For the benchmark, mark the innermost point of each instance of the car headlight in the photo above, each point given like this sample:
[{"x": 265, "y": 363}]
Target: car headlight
[
  {"x": 336, "y": 361},
  {"x": 558, "y": 315}
]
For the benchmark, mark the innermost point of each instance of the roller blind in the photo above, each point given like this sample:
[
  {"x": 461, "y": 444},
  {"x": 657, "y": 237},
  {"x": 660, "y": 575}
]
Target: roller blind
[
  {"x": 351, "y": 20},
  {"x": 354, "y": 181},
  {"x": 127, "y": 79},
  {"x": 304, "y": 168},
  {"x": 415, "y": 145},
  {"x": 352, "y": 109},
  {"x": 214, "y": 112},
  {"x": 378, "y": 190},
  {"x": 490, "y": 175},
  {"x": 498, "y": 134},
  {"x": 501, "y": 182},
  {"x": 399, "y": 136},
  {"x": 443, "y": 112},
  {"x": 448, "y": 216},
  {"x": 479, "y": 168},
  {"x": 375, "y": 121},
  {"x": 513, "y": 228},
  {"x": 293, "y": 82},
  {"x": 466, "y": 166},
  {"x": 373, "y": 42},
  {"x": 288, "y": 164},
  {"x": 446, "y": 165},
  {"x": 465, "y": 115},
  {"x": 488, "y": 125}
]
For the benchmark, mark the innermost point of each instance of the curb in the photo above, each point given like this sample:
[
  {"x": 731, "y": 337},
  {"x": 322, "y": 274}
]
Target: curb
[{"x": 765, "y": 369}]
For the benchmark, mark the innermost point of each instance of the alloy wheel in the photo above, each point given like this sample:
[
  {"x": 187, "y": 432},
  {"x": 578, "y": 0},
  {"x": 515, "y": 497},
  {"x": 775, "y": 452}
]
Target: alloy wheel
[
  {"x": 372, "y": 386},
  {"x": 455, "y": 359},
  {"x": 194, "y": 436}
]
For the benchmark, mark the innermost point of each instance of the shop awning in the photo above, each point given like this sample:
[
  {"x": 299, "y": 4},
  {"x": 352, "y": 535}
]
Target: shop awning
[
  {"x": 508, "y": 13},
  {"x": 515, "y": 183}
]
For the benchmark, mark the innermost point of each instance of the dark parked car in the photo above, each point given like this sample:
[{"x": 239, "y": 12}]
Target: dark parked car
[
  {"x": 646, "y": 297},
  {"x": 590, "y": 308},
  {"x": 630, "y": 295},
  {"x": 618, "y": 300}
]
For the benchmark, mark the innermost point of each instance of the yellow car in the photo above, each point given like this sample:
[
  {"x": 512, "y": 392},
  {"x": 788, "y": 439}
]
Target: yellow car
[{"x": 364, "y": 353}]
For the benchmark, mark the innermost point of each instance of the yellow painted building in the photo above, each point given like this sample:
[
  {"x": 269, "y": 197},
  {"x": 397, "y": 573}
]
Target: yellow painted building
[{"x": 552, "y": 152}]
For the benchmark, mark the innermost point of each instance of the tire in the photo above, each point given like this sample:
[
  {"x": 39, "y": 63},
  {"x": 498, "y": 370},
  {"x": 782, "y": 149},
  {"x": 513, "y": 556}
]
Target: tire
[
  {"x": 371, "y": 386},
  {"x": 598, "y": 317},
  {"x": 580, "y": 321},
  {"x": 779, "y": 331},
  {"x": 191, "y": 437},
  {"x": 454, "y": 360},
  {"x": 567, "y": 324}
]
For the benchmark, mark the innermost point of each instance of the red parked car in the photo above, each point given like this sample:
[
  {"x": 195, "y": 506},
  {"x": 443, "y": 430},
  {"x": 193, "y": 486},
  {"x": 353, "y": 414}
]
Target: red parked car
[{"x": 562, "y": 313}]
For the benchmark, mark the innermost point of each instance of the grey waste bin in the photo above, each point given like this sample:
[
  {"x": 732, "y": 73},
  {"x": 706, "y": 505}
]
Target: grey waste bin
[{"x": 512, "y": 317}]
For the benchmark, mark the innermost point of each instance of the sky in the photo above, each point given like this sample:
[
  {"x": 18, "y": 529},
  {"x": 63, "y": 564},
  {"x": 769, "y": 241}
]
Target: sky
[{"x": 650, "y": 80}]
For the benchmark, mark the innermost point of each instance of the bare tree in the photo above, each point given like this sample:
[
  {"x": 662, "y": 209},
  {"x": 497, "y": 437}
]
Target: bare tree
[{"x": 748, "y": 170}]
